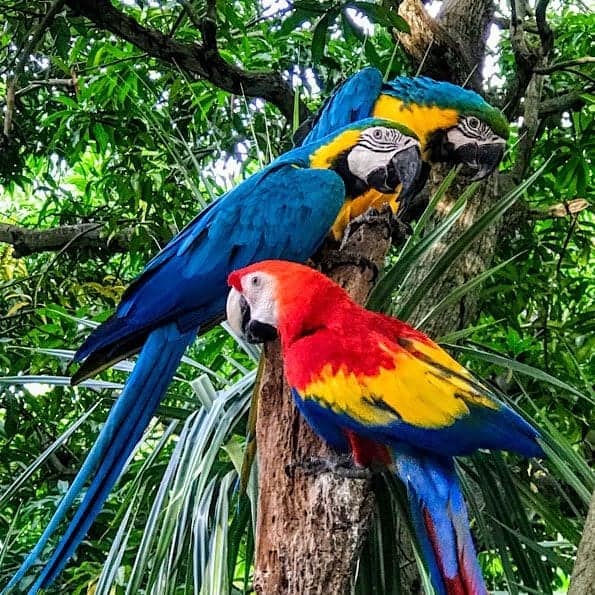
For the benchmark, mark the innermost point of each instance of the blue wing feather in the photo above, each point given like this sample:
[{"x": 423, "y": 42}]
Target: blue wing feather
[
  {"x": 183, "y": 287},
  {"x": 255, "y": 221},
  {"x": 498, "y": 429},
  {"x": 351, "y": 102}
]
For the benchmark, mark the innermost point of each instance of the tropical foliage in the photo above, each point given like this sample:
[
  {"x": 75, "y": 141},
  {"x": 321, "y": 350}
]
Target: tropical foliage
[{"x": 128, "y": 148}]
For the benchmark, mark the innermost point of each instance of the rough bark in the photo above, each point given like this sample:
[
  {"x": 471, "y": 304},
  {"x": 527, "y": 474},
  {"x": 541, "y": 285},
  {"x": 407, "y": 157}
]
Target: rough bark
[
  {"x": 582, "y": 581},
  {"x": 452, "y": 46},
  {"x": 310, "y": 528}
]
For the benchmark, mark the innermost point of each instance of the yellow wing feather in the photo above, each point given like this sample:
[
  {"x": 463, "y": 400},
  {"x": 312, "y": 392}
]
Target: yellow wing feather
[{"x": 426, "y": 388}]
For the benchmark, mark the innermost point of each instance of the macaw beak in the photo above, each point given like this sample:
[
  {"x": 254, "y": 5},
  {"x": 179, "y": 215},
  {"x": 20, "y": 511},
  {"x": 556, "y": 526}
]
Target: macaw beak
[
  {"x": 488, "y": 158},
  {"x": 483, "y": 157},
  {"x": 239, "y": 317},
  {"x": 403, "y": 169}
]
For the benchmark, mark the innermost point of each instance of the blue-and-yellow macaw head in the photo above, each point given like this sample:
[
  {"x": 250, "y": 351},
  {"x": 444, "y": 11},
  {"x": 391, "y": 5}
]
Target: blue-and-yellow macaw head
[
  {"x": 454, "y": 125},
  {"x": 371, "y": 154}
]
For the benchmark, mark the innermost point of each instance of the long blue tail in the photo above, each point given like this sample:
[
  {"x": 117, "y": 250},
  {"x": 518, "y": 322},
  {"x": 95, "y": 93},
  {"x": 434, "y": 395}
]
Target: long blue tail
[
  {"x": 123, "y": 428},
  {"x": 441, "y": 524}
]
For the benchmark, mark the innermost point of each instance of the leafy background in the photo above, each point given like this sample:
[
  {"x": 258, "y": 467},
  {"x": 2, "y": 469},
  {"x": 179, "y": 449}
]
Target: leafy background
[{"x": 140, "y": 147}]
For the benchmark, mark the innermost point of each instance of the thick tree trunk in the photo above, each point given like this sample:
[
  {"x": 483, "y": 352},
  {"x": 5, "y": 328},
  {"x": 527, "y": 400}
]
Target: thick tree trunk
[
  {"x": 310, "y": 528},
  {"x": 582, "y": 581}
]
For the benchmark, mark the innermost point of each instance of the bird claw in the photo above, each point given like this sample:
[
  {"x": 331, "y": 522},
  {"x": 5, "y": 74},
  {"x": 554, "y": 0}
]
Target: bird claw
[
  {"x": 372, "y": 217},
  {"x": 341, "y": 466},
  {"x": 333, "y": 260},
  {"x": 395, "y": 227}
]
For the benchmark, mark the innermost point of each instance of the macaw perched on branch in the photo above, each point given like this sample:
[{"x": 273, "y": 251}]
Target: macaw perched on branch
[
  {"x": 375, "y": 387},
  {"x": 454, "y": 125},
  {"x": 284, "y": 211}
]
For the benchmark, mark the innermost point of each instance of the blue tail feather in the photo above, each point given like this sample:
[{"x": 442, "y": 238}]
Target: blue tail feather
[
  {"x": 440, "y": 522},
  {"x": 123, "y": 429}
]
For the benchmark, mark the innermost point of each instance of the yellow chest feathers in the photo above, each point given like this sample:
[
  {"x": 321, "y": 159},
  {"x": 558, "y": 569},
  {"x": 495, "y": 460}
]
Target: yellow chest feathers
[{"x": 356, "y": 207}]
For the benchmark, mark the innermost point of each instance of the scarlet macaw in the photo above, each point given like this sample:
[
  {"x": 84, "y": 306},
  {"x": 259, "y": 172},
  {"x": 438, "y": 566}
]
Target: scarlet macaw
[
  {"x": 374, "y": 386},
  {"x": 284, "y": 211},
  {"x": 454, "y": 125}
]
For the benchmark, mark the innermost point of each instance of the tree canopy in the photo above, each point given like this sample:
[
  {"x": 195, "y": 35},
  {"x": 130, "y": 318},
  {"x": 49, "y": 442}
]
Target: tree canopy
[{"x": 122, "y": 119}]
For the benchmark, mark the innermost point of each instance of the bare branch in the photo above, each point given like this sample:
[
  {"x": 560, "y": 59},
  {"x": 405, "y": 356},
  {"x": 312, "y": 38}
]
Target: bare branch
[
  {"x": 203, "y": 60},
  {"x": 567, "y": 65},
  {"x": 504, "y": 23},
  {"x": 572, "y": 101},
  {"x": 567, "y": 208},
  {"x": 70, "y": 238},
  {"x": 45, "y": 83},
  {"x": 524, "y": 57},
  {"x": 10, "y": 97},
  {"x": 545, "y": 32}
]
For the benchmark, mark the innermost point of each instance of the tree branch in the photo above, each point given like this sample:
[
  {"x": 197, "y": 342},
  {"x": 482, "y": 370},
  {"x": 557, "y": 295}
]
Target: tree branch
[
  {"x": 572, "y": 101},
  {"x": 546, "y": 34},
  {"x": 203, "y": 60},
  {"x": 71, "y": 238},
  {"x": 583, "y": 574}
]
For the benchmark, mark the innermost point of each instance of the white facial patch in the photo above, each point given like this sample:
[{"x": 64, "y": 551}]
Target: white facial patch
[
  {"x": 259, "y": 290},
  {"x": 375, "y": 149},
  {"x": 472, "y": 129}
]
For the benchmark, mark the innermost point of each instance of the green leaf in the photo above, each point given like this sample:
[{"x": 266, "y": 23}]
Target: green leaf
[
  {"x": 387, "y": 17},
  {"x": 319, "y": 34},
  {"x": 462, "y": 243},
  {"x": 524, "y": 369}
]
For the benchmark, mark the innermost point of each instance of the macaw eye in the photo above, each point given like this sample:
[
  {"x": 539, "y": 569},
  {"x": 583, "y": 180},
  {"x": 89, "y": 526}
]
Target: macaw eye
[
  {"x": 377, "y": 133},
  {"x": 473, "y": 122},
  {"x": 255, "y": 281}
]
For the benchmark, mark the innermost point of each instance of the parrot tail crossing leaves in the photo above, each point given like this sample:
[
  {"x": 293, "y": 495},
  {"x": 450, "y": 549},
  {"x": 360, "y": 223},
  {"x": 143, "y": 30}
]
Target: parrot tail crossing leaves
[
  {"x": 373, "y": 386},
  {"x": 124, "y": 427},
  {"x": 440, "y": 522}
]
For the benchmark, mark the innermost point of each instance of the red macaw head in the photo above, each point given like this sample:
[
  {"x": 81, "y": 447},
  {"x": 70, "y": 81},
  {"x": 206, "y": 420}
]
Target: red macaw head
[{"x": 276, "y": 297}]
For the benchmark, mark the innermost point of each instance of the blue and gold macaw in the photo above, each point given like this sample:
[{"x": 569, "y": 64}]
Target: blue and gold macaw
[
  {"x": 454, "y": 125},
  {"x": 284, "y": 211}
]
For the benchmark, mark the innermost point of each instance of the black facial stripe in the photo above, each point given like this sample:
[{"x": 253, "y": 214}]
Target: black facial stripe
[
  {"x": 378, "y": 146},
  {"x": 481, "y": 131},
  {"x": 245, "y": 312},
  {"x": 260, "y": 332}
]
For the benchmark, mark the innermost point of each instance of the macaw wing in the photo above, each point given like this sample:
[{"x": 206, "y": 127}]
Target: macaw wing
[
  {"x": 285, "y": 212},
  {"x": 350, "y": 102},
  {"x": 417, "y": 396}
]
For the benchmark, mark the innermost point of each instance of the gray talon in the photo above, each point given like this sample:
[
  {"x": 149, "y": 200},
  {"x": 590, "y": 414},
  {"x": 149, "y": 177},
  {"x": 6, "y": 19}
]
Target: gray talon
[{"x": 342, "y": 466}]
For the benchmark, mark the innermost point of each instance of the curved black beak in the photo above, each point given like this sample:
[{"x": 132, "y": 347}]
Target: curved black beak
[
  {"x": 489, "y": 156},
  {"x": 403, "y": 169},
  {"x": 483, "y": 158}
]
